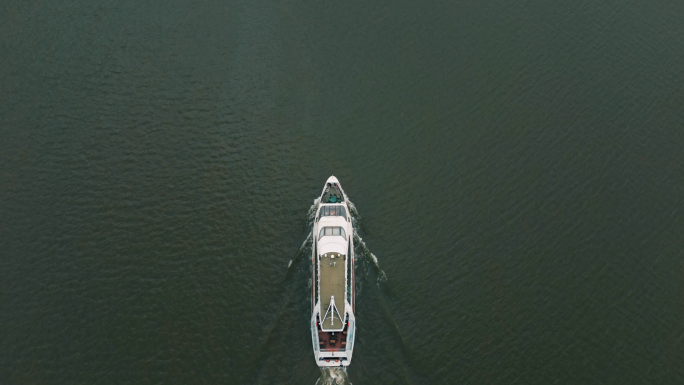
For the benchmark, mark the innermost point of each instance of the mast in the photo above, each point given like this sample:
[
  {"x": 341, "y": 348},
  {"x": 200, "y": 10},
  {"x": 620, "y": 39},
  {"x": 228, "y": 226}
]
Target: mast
[{"x": 332, "y": 309}]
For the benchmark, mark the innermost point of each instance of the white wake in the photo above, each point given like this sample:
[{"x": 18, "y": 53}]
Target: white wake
[{"x": 333, "y": 376}]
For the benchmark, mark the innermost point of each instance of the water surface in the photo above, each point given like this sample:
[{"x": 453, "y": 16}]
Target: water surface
[{"x": 516, "y": 166}]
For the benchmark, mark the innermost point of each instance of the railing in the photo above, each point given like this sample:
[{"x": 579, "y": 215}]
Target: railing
[{"x": 340, "y": 350}]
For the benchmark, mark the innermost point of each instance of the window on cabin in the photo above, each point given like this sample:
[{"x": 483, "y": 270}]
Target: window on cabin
[
  {"x": 332, "y": 211},
  {"x": 332, "y": 230}
]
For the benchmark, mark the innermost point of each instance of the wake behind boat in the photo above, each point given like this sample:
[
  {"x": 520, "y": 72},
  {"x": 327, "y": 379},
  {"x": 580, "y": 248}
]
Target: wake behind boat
[{"x": 332, "y": 291}]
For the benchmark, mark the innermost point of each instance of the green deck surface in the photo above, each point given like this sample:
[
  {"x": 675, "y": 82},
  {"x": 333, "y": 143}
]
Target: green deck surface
[{"x": 332, "y": 270}]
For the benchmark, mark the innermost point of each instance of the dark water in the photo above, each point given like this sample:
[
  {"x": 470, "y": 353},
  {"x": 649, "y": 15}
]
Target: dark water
[{"x": 517, "y": 166}]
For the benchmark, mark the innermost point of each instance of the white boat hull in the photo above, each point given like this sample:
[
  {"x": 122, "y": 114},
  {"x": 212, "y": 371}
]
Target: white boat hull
[{"x": 333, "y": 324}]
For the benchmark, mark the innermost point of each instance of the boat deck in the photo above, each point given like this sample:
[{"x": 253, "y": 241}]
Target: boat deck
[
  {"x": 332, "y": 270},
  {"x": 333, "y": 341},
  {"x": 333, "y": 192}
]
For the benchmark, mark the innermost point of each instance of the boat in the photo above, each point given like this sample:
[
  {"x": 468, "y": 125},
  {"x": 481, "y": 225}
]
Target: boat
[{"x": 332, "y": 281}]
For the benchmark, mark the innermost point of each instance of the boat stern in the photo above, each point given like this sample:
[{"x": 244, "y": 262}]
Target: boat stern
[{"x": 333, "y": 349}]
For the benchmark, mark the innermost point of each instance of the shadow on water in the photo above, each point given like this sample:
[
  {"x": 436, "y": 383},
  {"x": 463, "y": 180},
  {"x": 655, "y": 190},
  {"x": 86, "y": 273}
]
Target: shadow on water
[{"x": 284, "y": 353}]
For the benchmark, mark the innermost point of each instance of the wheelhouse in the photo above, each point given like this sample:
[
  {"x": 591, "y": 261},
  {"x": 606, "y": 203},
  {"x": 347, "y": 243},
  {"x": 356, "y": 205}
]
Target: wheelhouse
[
  {"x": 332, "y": 230},
  {"x": 333, "y": 211}
]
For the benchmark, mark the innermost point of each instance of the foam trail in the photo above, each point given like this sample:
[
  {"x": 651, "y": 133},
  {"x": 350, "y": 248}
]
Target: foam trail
[
  {"x": 333, "y": 376},
  {"x": 365, "y": 252},
  {"x": 302, "y": 249},
  {"x": 306, "y": 242},
  {"x": 352, "y": 209},
  {"x": 311, "y": 215},
  {"x": 358, "y": 242}
]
